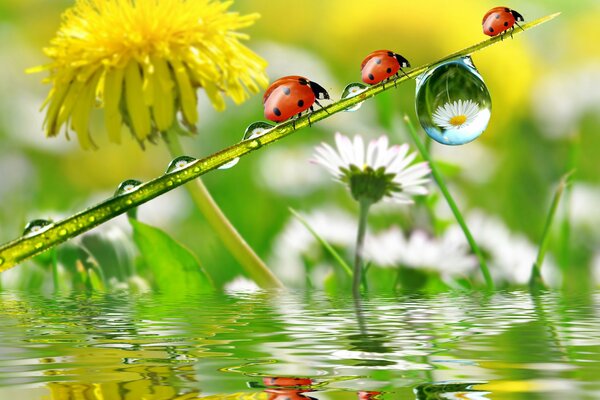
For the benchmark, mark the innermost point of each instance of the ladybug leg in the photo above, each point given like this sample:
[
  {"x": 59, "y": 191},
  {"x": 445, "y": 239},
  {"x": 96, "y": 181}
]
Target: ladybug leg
[
  {"x": 312, "y": 110},
  {"x": 511, "y": 32}
]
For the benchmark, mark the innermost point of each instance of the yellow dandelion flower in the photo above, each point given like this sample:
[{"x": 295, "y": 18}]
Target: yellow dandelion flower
[{"x": 142, "y": 61}]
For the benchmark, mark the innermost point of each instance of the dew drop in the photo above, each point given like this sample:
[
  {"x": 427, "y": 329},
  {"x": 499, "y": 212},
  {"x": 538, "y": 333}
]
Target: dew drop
[
  {"x": 257, "y": 129},
  {"x": 169, "y": 183},
  {"x": 196, "y": 170},
  {"x": 354, "y": 89},
  {"x": 62, "y": 232},
  {"x": 179, "y": 163},
  {"x": 36, "y": 226},
  {"x": 38, "y": 245},
  {"x": 92, "y": 218},
  {"x": 453, "y": 103},
  {"x": 230, "y": 164},
  {"x": 127, "y": 186}
]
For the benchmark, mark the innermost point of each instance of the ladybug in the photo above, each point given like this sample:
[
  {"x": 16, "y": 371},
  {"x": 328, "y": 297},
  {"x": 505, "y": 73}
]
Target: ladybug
[
  {"x": 381, "y": 65},
  {"x": 287, "y": 381},
  {"x": 292, "y": 95},
  {"x": 500, "y": 19}
]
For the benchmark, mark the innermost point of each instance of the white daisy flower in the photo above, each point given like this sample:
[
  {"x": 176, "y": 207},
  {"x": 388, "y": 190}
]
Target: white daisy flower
[
  {"x": 376, "y": 173},
  {"x": 456, "y": 115},
  {"x": 391, "y": 248}
]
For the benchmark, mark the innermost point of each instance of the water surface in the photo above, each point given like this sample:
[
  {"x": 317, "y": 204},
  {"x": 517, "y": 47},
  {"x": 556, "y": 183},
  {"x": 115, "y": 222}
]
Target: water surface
[{"x": 300, "y": 345}]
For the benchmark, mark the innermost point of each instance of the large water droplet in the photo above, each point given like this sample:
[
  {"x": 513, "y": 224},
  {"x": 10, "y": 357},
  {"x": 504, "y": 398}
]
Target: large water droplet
[
  {"x": 127, "y": 186},
  {"x": 257, "y": 129},
  {"x": 36, "y": 226},
  {"x": 354, "y": 89},
  {"x": 179, "y": 163},
  {"x": 453, "y": 103}
]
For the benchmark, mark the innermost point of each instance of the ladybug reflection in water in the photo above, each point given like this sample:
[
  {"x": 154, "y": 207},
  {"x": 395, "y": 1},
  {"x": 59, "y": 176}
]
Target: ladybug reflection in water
[
  {"x": 499, "y": 20},
  {"x": 285, "y": 388},
  {"x": 381, "y": 65},
  {"x": 290, "y": 96}
]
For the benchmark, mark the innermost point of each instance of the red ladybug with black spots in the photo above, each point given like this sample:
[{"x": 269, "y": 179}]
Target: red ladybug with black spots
[
  {"x": 499, "y": 20},
  {"x": 291, "y": 95},
  {"x": 381, "y": 65}
]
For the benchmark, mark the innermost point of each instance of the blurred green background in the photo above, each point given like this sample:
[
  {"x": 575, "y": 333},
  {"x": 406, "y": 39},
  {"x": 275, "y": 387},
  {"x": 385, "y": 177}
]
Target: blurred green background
[{"x": 545, "y": 87}]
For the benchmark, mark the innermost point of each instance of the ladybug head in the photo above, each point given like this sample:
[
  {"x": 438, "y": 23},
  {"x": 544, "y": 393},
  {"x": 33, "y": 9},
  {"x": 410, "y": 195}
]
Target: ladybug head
[
  {"x": 319, "y": 91},
  {"x": 518, "y": 17},
  {"x": 401, "y": 60}
]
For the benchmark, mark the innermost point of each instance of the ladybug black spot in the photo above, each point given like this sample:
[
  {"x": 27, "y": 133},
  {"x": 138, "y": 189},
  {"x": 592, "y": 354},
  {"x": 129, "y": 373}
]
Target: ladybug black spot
[
  {"x": 286, "y": 90},
  {"x": 506, "y": 23},
  {"x": 507, "y": 9},
  {"x": 371, "y": 77},
  {"x": 277, "y": 111},
  {"x": 300, "y": 103},
  {"x": 491, "y": 29},
  {"x": 391, "y": 54},
  {"x": 303, "y": 81},
  {"x": 378, "y": 61},
  {"x": 388, "y": 70}
]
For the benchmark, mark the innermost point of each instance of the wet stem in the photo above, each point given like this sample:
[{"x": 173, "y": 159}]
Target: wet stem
[
  {"x": 451, "y": 203},
  {"x": 358, "y": 278},
  {"x": 235, "y": 243}
]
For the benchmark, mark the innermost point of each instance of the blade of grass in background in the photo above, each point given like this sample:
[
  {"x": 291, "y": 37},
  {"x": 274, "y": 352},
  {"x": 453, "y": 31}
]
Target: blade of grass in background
[{"x": 535, "y": 279}]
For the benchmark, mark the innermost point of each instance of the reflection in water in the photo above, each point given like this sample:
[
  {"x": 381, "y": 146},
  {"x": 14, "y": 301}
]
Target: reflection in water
[{"x": 299, "y": 345}]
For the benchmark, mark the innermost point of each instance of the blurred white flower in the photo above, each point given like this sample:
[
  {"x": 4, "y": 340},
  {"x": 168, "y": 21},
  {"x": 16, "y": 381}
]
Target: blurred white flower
[
  {"x": 477, "y": 162},
  {"x": 511, "y": 255},
  {"x": 284, "y": 171},
  {"x": 560, "y": 100},
  {"x": 295, "y": 243},
  {"x": 596, "y": 267},
  {"x": 583, "y": 210},
  {"x": 445, "y": 254},
  {"x": 374, "y": 173},
  {"x": 240, "y": 284}
]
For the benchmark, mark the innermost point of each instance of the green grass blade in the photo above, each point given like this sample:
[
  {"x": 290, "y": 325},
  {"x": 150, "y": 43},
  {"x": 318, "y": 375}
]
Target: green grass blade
[{"x": 536, "y": 270}]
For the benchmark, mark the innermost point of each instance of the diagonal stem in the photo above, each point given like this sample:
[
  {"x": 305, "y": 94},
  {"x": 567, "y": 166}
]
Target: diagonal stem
[{"x": 452, "y": 204}]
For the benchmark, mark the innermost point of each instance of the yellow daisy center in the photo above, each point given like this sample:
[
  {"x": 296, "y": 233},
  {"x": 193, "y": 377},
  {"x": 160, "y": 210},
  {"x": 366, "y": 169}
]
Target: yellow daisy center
[{"x": 458, "y": 120}]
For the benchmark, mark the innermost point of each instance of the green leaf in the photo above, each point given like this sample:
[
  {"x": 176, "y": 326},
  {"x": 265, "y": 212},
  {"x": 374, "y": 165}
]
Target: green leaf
[{"x": 176, "y": 270}]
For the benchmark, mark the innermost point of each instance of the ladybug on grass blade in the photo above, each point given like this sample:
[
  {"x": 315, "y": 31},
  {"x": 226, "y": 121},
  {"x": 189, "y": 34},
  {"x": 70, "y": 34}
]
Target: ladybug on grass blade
[
  {"x": 381, "y": 65},
  {"x": 500, "y": 19},
  {"x": 292, "y": 95}
]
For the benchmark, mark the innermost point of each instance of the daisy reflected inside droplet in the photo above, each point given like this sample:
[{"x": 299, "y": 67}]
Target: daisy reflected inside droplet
[{"x": 453, "y": 103}]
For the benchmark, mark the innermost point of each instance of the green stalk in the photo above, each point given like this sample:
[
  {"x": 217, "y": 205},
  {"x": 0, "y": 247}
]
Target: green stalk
[
  {"x": 363, "y": 207},
  {"x": 25, "y": 247},
  {"x": 235, "y": 243},
  {"x": 451, "y": 203},
  {"x": 535, "y": 279}
]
